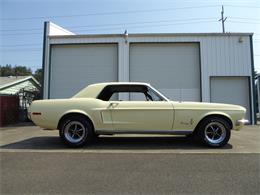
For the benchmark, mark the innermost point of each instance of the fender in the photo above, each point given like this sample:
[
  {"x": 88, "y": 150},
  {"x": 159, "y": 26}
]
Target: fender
[
  {"x": 73, "y": 111},
  {"x": 217, "y": 113}
]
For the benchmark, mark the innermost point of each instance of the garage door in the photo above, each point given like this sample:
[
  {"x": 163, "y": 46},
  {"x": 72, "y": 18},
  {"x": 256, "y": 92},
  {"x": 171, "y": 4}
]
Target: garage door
[
  {"x": 172, "y": 68},
  {"x": 75, "y": 66},
  {"x": 231, "y": 90}
]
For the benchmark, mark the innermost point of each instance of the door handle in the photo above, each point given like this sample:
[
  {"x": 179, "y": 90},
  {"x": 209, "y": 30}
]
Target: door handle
[{"x": 113, "y": 105}]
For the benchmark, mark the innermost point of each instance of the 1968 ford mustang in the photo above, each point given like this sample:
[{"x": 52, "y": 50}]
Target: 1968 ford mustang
[{"x": 99, "y": 109}]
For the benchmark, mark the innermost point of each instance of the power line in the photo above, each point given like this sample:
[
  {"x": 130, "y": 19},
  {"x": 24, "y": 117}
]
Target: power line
[
  {"x": 32, "y": 29},
  {"x": 22, "y": 50},
  {"x": 116, "y": 24},
  {"x": 20, "y": 45},
  {"x": 127, "y": 12},
  {"x": 18, "y": 34},
  {"x": 242, "y": 6},
  {"x": 35, "y": 60},
  {"x": 110, "y": 13},
  {"x": 243, "y": 22},
  {"x": 241, "y": 18},
  {"x": 155, "y": 26},
  {"x": 95, "y": 29},
  {"x": 143, "y": 22}
]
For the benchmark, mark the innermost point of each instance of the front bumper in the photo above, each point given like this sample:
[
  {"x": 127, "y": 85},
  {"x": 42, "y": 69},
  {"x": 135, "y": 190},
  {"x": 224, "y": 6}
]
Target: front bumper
[{"x": 241, "y": 122}]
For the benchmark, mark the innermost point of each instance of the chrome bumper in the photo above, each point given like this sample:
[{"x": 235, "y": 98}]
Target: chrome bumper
[{"x": 242, "y": 122}]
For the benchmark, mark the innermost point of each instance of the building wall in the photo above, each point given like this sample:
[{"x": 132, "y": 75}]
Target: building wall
[{"x": 220, "y": 55}]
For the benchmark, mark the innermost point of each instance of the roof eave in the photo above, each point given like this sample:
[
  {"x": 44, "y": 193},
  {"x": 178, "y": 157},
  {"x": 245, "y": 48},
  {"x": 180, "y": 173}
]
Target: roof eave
[
  {"x": 150, "y": 35},
  {"x": 20, "y": 81}
]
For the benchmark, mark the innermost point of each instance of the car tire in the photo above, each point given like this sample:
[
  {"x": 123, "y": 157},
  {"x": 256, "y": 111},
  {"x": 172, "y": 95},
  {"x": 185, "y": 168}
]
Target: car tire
[
  {"x": 76, "y": 131},
  {"x": 214, "y": 132}
]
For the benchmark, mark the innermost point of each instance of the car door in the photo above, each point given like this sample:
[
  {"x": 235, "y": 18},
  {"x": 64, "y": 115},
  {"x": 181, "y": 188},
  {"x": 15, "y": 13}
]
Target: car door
[{"x": 142, "y": 115}]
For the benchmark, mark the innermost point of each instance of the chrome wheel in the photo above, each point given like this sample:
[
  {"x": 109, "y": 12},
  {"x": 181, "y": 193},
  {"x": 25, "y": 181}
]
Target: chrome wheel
[
  {"x": 215, "y": 132},
  {"x": 75, "y": 132}
]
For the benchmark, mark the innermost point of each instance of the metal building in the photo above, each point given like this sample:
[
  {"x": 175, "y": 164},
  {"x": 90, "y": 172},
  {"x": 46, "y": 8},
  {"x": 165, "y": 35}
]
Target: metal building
[{"x": 207, "y": 67}]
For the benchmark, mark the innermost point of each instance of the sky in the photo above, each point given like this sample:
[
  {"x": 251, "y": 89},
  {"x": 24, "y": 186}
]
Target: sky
[{"x": 21, "y": 21}]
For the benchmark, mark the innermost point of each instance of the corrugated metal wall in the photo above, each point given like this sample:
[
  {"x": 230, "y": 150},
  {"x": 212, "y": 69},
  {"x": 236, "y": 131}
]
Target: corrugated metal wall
[{"x": 220, "y": 55}]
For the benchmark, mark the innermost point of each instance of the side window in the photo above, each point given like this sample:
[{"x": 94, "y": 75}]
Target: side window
[
  {"x": 137, "y": 96},
  {"x": 129, "y": 93},
  {"x": 133, "y": 96}
]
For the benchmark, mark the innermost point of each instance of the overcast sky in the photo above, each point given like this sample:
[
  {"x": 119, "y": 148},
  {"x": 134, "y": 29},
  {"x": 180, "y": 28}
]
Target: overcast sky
[{"x": 21, "y": 22}]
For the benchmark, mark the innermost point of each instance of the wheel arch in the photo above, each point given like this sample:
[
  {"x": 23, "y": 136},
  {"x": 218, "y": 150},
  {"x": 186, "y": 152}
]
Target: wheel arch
[
  {"x": 221, "y": 115},
  {"x": 75, "y": 113}
]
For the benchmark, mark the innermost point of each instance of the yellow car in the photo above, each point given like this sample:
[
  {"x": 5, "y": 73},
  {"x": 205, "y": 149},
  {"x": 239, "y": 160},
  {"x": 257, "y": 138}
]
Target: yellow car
[{"x": 134, "y": 108}]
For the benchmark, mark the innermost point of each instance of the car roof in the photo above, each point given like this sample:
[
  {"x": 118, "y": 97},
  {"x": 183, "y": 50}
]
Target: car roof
[
  {"x": 119, "y": 83},
  {"x": 93, "y": 90}
]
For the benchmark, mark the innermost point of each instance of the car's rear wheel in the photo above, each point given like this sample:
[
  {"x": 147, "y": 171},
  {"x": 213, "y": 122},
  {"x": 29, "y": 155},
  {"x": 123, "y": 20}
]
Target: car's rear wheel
[
  {"x": 76, "y": 131},
  {"x": 214, "y": 132}
]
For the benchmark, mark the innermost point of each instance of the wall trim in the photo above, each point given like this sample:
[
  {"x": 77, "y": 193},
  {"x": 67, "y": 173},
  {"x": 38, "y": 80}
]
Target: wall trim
[{"x": 253, "y": 92}]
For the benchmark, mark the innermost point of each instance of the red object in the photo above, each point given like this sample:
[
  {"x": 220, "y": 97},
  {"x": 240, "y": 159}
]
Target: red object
[{"x": 9, "y": 109}]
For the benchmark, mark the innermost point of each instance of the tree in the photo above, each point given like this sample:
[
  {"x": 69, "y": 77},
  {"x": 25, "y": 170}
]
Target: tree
[
  {"x": 38, "y": 75},
  {"x": 22, "y": 71},
  {"x": 9, "y": 70},
  {"x": 6, "y": 70}
]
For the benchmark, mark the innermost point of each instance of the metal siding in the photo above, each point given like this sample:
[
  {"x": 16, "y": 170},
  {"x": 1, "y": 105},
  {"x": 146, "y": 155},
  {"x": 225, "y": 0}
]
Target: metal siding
[
  {"x": 231, "y": 90},
  {"x": 75, "y": 66}
]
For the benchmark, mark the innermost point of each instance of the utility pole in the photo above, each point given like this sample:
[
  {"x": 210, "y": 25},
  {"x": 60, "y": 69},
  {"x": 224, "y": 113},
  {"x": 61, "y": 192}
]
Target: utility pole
[{"x": 222, "y": 19}]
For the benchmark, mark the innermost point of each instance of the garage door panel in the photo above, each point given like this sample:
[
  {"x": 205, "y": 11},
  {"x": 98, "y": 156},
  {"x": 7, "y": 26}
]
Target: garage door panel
[
  {"x": 231, "y": 90},
  {"x": 180, "y": 94},
  {"x": 75, "y": 66},
  {"x": 172, "y": 68}
]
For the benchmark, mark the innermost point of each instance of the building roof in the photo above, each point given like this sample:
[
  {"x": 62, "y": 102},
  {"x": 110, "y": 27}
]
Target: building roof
[
  {"x": 150, "y": 35},
  {"x": 12, "y": 84},
  {"x": 5, "y": 81}
]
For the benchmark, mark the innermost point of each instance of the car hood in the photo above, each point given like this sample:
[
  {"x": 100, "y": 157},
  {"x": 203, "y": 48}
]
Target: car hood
[{"x": 204, "y": 105}]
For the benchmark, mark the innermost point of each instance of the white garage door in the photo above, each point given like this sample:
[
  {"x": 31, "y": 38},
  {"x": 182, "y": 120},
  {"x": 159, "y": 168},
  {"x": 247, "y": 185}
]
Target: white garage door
[
  {"x": 231, "y": 90},
  {"x": 173, "y": 68},
  {"x": 75, "y": 66}
]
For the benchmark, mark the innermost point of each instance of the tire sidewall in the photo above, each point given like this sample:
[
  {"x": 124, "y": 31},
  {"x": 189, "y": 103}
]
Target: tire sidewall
[
  {"x": 202, "y": 135},
  {"x": 88, "y": 134}
]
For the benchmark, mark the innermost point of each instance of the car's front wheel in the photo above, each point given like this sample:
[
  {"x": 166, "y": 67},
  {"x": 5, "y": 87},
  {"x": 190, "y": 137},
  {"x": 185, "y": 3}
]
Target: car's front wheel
[
  {"x": 214, "y": 132},
  {"x": 76, "y": 131}
]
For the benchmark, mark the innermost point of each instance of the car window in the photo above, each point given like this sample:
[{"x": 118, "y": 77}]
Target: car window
[
  {"x": 129, "y": 93},
  {"x": 128, "y": 96},
  {"x": 153, "y": 95}
]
